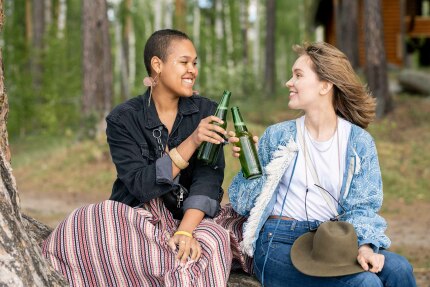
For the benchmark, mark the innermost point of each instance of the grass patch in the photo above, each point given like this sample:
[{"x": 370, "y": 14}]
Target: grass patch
[
  {"x": 402, "y": 141},
  {"x": 65, "y": 168}
]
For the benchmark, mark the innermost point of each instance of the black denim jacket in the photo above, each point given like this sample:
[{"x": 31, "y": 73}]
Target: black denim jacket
[{"x": 143, "y": 172}]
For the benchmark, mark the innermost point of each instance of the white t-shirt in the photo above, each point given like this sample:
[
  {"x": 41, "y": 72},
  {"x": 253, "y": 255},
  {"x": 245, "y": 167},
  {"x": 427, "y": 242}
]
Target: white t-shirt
[{"x": 325, "y": 158}]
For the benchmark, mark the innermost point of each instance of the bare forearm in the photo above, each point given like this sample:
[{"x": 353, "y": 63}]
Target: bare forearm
[{"x": 191, "y": 220}]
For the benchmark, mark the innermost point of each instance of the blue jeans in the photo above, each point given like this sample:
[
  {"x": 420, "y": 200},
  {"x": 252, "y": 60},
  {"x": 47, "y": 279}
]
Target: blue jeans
[{"x": 279, "y": 270}]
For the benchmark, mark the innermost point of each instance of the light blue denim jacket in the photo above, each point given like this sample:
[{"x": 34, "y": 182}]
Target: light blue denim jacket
[{"x": 361, "y": 193}]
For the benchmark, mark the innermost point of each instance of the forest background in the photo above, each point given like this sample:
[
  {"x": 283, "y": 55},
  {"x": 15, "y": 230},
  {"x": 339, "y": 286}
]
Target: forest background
[{"x": 69, "y": 62}]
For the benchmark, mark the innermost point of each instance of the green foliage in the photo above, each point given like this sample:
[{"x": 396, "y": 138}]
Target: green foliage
[
  {"x": 16, "y": 58},
  {"x": 402, "y": 141},
  {"x": 239, "y": 80},
  {"x": 53, "y": 104}
]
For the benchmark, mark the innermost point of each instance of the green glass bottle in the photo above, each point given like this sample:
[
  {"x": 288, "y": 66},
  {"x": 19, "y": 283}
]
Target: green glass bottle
[
  {"x": 208, "y": 152},
  {"x": 251, "y": 167}
]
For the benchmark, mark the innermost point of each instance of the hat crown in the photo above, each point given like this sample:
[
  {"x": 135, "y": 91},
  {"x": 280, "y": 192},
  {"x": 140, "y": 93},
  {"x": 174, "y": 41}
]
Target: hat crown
[
  {"x": 335, "y": 243},
  {"x": 330, "y": 251}
]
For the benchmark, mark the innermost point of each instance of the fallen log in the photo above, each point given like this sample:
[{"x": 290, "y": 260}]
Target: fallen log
[{"x": 415, "y": 81}]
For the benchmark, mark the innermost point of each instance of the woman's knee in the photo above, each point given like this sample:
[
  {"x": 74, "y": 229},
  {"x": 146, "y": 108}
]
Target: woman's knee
[
  {"x": 397, "y": 268},
  {"x": 368, "y": 279},
  {"x": 214, "y": 235},
  {"x": 396, "y": 263}
]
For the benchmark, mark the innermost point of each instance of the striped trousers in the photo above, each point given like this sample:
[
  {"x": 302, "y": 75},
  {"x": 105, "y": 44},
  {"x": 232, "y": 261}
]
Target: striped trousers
[{"x": 112, "y": 244}]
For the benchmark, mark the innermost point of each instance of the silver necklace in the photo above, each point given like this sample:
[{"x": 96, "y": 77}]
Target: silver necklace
[
  {"x": 313, "y": 142},
  {"x": 338, "y": 152}
]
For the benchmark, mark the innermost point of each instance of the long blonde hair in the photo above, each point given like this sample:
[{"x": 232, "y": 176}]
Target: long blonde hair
[{"x": 351, "y": 99}]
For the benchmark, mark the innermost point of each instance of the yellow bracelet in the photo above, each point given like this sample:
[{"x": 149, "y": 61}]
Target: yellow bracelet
[
  {"x": 177, "y": 159},
  {"x": 180, "y": 232}
]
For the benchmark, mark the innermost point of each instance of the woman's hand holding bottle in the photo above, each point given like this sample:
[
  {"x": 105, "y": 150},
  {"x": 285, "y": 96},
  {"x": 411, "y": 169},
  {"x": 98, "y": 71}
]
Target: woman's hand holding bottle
[
  {"x": 233, "y": 139},
  {"x": 207, "y": 131}
]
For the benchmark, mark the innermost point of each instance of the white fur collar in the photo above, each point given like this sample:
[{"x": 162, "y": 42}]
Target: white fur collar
[{"x": 282, "y": 158}]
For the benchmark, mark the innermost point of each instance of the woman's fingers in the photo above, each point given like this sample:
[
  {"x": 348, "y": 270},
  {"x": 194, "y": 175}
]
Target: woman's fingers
[
  {"x": 378, "y": 263},
  {"x": 172, "y": 243},
  {"x": 184, "y": 250},
  {"x": 188, "y": 248},
  {"x": 183, "y": 256},
  {"x": 209, "y": 131},
  {"x": 235, "y": 151},
  {"x": 370, "y": 261},
  {"x": 231, "y": 134},
  {"x": 233, "y": 140},
  {"x": 196, "y": 250}
]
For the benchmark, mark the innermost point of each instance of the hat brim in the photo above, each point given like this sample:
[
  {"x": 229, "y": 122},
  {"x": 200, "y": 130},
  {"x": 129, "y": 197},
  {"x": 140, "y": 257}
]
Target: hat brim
[{"x": 303, "y": 261}]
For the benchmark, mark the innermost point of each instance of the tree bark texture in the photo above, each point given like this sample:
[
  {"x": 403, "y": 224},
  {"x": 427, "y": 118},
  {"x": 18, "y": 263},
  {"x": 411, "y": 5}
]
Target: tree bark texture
[
  {"x": 219, "y": 34},
  {"x": 346, "y": 12},
  {"x": 28, "y": 22},
  {"x": 126, "y": 30},
  {"x": 415, "y": 81},
  {"x": 244, "y": 30},
  {"x": 256, "y": 42},
  {"x": 21, "y": 261},
  {"x": 4, "y": 105},
  {"x": 376, "y": 61},
  {"x": 97, "y": 59},
  {"x": 48, "y": 12},
  {"x": 181, "y": 15},
  {"x": 62, "y": 18},
  {"x": 269, "y": 70},
  {"x": 123, "y": 41},
  {"x": 37, "y": 42}
]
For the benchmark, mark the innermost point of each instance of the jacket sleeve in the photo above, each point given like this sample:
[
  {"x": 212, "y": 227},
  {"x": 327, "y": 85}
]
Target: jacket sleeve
[
  {"x": 205, "y": 188},
  {"x": 242, "y": 192},
  {"x": 134, "y": 166},
  {"x": 365, "y": 196}
]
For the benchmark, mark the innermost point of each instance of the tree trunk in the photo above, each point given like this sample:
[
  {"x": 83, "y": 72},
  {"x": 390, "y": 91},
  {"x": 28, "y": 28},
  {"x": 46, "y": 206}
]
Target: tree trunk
[
  {"x": 181, "y": 15},
  {"x": 196, "y": 25},
  {"x": 256, "y": 46},
  {"x": 28, "y": 22},
  {"x": 158, "y": 9},
  {"x": 48, "y": 12},
  {"x": 168, "y": 14},
  {"x": 22, "y": 263},
  {"x": 37, "y": 42},
  {"x": 121, "y": 61},
  {"x": 219, "y": 34},
  {"x": 243, "y": 6},
  {"x": 124, "y": 49},
  {"x": 346, "y": 12},
  {"x": 376, "y": 62},
  {"x": 229, "y": 37},
  {"x": 131, "y": 48},
  {"x": 62, "y": 17},
  {"x": 269, "y": 70},
  {"x": 97, "y": 61}
]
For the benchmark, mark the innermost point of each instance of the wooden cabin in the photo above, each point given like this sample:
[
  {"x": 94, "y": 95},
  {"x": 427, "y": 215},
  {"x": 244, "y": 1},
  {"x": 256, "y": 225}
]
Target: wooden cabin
[{"x": 406, "y": 29}]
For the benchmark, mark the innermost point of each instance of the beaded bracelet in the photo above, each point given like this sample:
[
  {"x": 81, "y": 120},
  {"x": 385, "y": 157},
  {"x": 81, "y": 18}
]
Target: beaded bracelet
[
  {"x": 180, "y": 232},
  {"x": 177, "y": 159}
]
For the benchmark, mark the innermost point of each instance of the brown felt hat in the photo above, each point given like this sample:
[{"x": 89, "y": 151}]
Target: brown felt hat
[{"x": 330, "y": 251}]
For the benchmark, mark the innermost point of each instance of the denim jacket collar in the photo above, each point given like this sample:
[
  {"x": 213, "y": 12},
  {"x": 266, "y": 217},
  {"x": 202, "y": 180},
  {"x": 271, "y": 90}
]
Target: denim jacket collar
[{"x": 186, "y": 107}]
